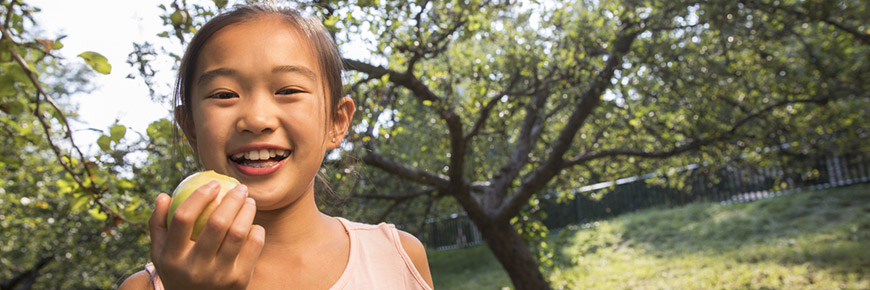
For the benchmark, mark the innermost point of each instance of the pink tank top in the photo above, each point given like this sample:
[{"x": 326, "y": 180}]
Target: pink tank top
[{"x": 377, "y": 261}]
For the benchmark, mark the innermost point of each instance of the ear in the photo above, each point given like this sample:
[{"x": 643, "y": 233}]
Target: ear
[
  {"x": 186, "y": 126},
  {"x": 341, "y": 122}
]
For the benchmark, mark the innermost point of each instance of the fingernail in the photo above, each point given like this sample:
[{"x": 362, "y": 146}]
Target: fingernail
[
  {"x": 242, "y": 190},
  {"x": 250, "y": 201},
  {"x": 212, "y": 184}
]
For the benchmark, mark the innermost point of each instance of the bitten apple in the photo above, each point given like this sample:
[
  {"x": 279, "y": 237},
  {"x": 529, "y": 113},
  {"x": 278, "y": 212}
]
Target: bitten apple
[{"x": 191, "y": 183}]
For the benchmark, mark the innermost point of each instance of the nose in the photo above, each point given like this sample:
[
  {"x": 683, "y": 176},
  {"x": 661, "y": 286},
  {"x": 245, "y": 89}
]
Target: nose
[{"x": 257, "y": 115}]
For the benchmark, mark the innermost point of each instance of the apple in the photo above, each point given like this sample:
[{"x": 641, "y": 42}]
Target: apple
[{"x": 191, "y": 183}]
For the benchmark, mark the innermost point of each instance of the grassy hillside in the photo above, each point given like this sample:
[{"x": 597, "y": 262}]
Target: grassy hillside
[{"x": 808, "y": 240}]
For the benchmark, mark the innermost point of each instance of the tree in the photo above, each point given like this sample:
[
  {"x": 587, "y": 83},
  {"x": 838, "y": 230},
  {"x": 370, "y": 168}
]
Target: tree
[
  {"x": 69, "y": 218},
  {"x": 597, "y": 88},
  {"x": 493, "y": 103}
]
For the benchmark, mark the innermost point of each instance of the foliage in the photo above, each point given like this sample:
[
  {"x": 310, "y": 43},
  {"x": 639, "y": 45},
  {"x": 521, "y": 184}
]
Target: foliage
[
  {"x": 474, "y": 105},
  {"x": 70, "y": 219},
  {"x": 808, "y": 240},
  {"x": 495, "y": 102}
]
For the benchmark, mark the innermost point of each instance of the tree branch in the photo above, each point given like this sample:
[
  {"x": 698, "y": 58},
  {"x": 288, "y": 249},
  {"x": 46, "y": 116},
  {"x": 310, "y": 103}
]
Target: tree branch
[
  {"x": 860, "y": 36},
  {"x": 582, "y": 159},
  {"x": 454, "y": 127},
  {"x": 412, "y": 174},
  {"x": 530, "y": 131},
  {"x": 396, "y": 199},
  {"x": 46, "y": 126},
  {"x": 484, "y": 113},
  {"x": 590, "y": 99}
]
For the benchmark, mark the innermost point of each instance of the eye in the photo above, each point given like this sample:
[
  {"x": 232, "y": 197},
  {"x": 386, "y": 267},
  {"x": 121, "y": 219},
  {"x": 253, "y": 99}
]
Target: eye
[
  {"x": 223, "y": 95},
  {"x": 288, "y": 91}
]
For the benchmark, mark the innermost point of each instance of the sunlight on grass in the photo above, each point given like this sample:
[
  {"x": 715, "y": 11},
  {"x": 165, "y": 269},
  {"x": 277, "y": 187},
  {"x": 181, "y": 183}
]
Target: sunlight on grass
[{"x": 809, "y": 240}]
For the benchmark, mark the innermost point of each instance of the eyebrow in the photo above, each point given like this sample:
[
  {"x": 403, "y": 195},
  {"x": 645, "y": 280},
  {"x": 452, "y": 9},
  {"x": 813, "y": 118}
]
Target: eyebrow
[
  {"x": 208, "y": 76},
  {"x": 295, "y": 69}
]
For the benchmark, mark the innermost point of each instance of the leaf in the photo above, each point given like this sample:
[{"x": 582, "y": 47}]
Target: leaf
[
  {"x": 177, "y": 18},
  {"x": 105, "y": 143},
  {"x": 80, "y": 203},
  {"x": 7, "y": 86},
  {"x": 47, "y": 44},
  {"x": 220, "y": 3},
  {"x": 97, "y": 214},
  {"x": 57, "y": 44},
  {"x": 97, "y": 61},
  {"x": 15, "y": 107},
  {"x": 117, "y": 132}
]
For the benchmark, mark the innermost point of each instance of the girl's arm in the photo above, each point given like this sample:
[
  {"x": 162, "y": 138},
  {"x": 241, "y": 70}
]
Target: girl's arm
[{"x": 417, "y": 253}]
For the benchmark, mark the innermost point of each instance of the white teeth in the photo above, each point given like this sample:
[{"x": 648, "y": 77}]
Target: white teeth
[{"x": 261, "y": 154}]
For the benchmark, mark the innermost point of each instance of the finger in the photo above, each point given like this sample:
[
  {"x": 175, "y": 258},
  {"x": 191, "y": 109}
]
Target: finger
[
  {"x": 237, "y": 233},
  {"x": 220, "y": 221},
  {"x": 184, "y": 218},
  {"x": 250, "y": 252},
  {"x": 157, "y": 224}
]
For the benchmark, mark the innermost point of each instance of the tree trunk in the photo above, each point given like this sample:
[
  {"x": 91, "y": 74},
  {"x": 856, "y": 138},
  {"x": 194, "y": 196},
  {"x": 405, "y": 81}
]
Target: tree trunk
[{"x": 514, "y": 255}]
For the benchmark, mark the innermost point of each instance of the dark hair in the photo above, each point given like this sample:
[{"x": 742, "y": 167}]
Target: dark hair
[{"x": 324, "y": 47}]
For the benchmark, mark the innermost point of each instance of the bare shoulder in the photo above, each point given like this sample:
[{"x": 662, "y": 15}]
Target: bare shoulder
[
  {"x": 140, "y": 280},
  {"x": 417, "y": 253}
]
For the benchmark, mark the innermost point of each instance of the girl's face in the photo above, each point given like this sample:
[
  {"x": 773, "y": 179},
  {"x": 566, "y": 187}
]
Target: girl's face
[{"x": 259, "y": 110}]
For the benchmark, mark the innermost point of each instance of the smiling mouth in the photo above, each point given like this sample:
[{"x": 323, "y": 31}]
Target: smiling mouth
[{"x": 260, "y": 158}]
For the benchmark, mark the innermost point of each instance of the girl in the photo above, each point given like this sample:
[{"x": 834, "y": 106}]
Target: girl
[{"x": 260, "y": 100}]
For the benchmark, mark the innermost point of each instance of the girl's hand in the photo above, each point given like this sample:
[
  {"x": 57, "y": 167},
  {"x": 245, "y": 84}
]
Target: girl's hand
[{"x": 224, "y": 255}]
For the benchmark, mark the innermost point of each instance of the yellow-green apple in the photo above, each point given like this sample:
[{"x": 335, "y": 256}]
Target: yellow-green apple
[{"x": 191, "y": 183}]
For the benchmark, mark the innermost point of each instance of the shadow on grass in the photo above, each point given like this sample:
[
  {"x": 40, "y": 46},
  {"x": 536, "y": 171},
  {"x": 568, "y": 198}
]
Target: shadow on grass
[
  {"x": 809, "y": 240},
  {"x": 469, "y": 268}
]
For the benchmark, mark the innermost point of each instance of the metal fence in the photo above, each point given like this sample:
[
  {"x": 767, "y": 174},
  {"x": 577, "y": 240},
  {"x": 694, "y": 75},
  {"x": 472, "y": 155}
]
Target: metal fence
[{"x": 732, "y": 184}]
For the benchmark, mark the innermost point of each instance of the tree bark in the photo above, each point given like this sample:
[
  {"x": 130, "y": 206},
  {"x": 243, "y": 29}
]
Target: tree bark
[{"x": 512, "y": 252}]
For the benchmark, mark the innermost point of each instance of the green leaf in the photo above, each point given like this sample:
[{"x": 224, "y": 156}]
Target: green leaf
[
  {"x": 15, "y": 73},
  {"x": 97, "y": 61},
  {"x": 7, "y": 86},
  {"x": 220, "y": 3},
  {"x": 117, "y": 132},
  {"x": 97, "y": 214},
  {"x": 105, "y": 143},
  {"x": 15, "y": 107},
  {"x": 177, "y": 18},
  {"x": 57, "y": 45},
  {"x": 125, "y": 184},
  {"x": 80, "y": 203}
]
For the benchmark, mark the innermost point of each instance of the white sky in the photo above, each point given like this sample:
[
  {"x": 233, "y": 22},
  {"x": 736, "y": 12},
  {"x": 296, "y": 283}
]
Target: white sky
[{"x": 108, "y": 27}]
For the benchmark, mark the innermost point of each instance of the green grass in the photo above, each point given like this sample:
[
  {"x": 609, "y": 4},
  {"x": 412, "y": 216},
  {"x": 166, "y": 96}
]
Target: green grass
[{"x": 808, "y": 240}]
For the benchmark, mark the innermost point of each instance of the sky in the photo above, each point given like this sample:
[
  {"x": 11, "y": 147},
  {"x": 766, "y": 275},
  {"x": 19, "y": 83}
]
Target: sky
[{"x": 109, "y": 27}]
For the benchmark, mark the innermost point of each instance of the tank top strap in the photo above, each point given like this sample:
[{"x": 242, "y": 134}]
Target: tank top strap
[{"x": 155, "y": 280}]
